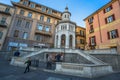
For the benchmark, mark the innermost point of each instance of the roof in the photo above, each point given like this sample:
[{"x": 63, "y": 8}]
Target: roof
[
  {"x": 81, "y": 27},
  {"x": 100, "y": 9},
  {"x": 45, "y": 6}
]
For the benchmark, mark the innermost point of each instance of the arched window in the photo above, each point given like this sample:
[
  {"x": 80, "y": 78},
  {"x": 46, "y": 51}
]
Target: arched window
[
  {"x": 65, "y": 16},
  {"x": 71, "y": 41},
  {"x": 63, "y": 39}
]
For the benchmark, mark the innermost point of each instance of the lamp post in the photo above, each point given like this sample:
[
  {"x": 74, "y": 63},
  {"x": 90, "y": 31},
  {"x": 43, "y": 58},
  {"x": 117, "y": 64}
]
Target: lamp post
[{"x": 64, "y": 53}]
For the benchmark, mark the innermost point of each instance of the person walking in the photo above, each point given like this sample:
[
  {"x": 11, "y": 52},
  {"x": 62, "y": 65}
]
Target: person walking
[
  {"x": 28, "y": 62},
  {"x": 49, "y": 62}
]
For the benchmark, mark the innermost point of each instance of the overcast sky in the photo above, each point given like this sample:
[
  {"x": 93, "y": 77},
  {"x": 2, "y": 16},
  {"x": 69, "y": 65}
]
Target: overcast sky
[{"x": 79, "y": 9}]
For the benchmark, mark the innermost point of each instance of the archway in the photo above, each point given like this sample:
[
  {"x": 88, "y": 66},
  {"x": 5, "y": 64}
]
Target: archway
[{"x": 63, "y": 40}]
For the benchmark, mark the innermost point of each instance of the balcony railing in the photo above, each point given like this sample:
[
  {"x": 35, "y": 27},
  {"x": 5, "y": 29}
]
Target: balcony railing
[
  {"x": 43, "y": 32},
  {"x": 3, "y": 24},
  {"x": 78, "y": 34},
  {"x": 91, "y": 31},
  {"x": 5, "y": 12}
]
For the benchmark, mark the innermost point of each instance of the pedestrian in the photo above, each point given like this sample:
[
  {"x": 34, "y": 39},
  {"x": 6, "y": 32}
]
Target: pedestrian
[
  {"x": 17, "y": 53},
  {"x": 58, "y": 57},
  {"x": 28, "y": 62},
  {"x": 49, "y": 62},
  {"x": 61, "y": 58}
]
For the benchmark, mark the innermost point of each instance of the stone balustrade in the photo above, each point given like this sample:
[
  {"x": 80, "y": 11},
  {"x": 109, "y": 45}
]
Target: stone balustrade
[{"x": 83, "y": 70}]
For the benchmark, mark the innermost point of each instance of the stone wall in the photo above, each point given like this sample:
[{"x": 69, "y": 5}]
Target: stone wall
[
  {"x": 7, "y": 55},
  {"x": 75, "y": 58},
  {"x": 111, "y": 59}
]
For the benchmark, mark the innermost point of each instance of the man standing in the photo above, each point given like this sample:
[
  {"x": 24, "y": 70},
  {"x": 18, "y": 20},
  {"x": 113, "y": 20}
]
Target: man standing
[{"x": 28, "y": 62}]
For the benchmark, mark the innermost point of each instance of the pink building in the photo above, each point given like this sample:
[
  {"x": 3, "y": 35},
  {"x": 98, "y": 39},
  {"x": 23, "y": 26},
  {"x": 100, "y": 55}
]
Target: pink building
[{"x": 103, "y": 27}]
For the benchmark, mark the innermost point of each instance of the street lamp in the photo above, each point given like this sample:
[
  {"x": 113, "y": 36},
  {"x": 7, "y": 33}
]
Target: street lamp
[{"x": 64, "y": 53}]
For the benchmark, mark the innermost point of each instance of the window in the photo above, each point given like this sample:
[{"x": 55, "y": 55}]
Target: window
[
  {"x": 27, "y": 25},
  {"x": 64, "y": 27},
  {"x": 43, "y": 9},
  {"x": 57, "y": 28},
  {"x": 91, "y": 29},
  {"x": 19, "y": 22},
  {"x": 90, "y": 20},
  {"x": 7, "y": 9},
  {"x": 32, "y": 5},
  {"x": 22, "y": 12},
  {"x": 113, "y": 34},
  {"x": 30, "y": 15},
  {"x": 40, "y": 27},
  {"x": 82, "y": 33},
  {"x": 92, "y": 41},
  {"x": 37, "y": 37},
  {"x": 49, "y": 11},
  {"x": 16, "y": 33},
  {"x": 42, "y": 18},
  {"x": 3, "y": 20},
  {"x": 1, "y": 34},
  {"x": 108, "y": 9},
  {"x": 81, "y": 41},
  {"x": 48, "y": 20},
  {"x": 110, "y": 19},
  {"x": 47, "y": 29},
  {"x": 25, "y": 35},
  {"x": 25, "y": 3}
]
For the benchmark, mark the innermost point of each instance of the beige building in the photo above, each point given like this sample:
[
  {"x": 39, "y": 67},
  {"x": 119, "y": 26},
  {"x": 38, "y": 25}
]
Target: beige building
[
  {"x": 80, "y": 37},
  {"x": 33, "y": 26},
  {"x": 6, "y": 13}
]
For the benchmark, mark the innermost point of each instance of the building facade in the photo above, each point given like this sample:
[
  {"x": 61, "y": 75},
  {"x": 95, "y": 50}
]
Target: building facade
[
  {"x": 65, "y": 32},
  {"x": 33, "y": 26},
  {"x": 80, "y": 37},
  {"x": 6, "y": 13},
  {"x": 103, "y": 26}
]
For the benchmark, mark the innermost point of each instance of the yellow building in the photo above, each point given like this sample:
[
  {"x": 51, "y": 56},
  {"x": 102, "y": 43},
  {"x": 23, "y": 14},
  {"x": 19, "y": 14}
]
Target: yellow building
[
  {"x": 80, "y": 37},
  {"x": 33, "y": 25},
  {"x": 6, "y": 13}
]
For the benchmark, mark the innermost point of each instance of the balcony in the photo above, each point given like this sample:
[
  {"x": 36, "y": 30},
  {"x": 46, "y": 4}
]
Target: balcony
[
  {"x": 5, "y": 12},
  {"x": 78, "y": 34},
  {"x": 43, "y": 32},
  {"x": 91, "y": 31},
  {"x": 3, "y": 24}
]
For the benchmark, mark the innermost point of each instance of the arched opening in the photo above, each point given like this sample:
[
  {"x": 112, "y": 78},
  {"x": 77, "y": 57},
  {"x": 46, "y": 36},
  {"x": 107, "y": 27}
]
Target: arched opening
[
  {"x": 71, "y": 41},
  {"x": 65, "y": 16},
  {"x": 63, "y": 39}
]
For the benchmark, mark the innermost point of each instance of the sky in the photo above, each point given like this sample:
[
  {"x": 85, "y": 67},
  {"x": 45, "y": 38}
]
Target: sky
[{"x": 79, "y": 9}]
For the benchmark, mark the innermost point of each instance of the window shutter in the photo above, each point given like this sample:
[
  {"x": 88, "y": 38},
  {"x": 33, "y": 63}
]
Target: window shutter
[
  {"x": 89, "y": 41},
  {"x": 105, "y": 20},
  {"x": 108, "y": 35},
  {"x": 111, "y": 7},
  {"x": 113, "y": 17},
  {"x": 95, "y": 39},
  {"x": 104, "y": 11},
  {"x": 117, "y": 33}
]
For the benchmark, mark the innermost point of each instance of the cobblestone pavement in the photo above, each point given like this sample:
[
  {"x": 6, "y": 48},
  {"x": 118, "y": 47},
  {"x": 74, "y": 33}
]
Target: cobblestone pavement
[{"x": 8, "y": 72}]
